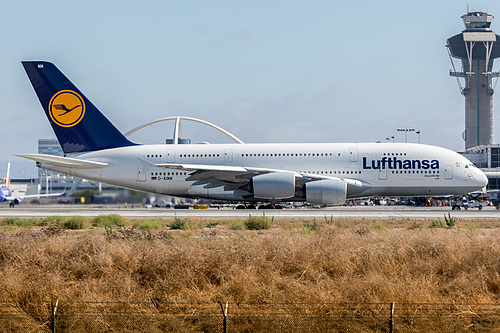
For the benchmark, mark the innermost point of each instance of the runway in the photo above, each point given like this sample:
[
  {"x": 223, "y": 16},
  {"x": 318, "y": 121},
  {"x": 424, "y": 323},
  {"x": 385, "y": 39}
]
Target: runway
[{"x": 360, "y": 212}]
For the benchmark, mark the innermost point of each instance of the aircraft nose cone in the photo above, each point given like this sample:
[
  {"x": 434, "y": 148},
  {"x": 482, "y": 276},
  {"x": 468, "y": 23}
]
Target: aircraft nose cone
[
  {"x": 481, "y": 178},
  {"x": 484, "y": 179}
]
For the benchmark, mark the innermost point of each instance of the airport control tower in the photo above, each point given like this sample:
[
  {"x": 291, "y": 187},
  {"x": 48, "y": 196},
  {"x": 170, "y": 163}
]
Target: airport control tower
[{"x": 477, "y": 46}]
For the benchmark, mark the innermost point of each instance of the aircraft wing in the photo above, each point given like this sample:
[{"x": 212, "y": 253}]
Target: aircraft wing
[
  {"x": 211, "y": 176},
  {"x": 34, "y": 196},
  {"x": 66, "y": 162},
  {"x": 232, "y": 177}
]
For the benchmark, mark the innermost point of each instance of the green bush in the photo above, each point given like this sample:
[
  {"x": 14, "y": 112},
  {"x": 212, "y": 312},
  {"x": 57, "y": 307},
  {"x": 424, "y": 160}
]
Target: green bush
[
  {"x": 436, "y": 224},
  {"x": 236, "y": 224},
  {"x": 148, "y": 224},
  {"x": 76, "y": 223},
  {"x": 258, "y": 223},
  {"x": 56, "y": 220},
  {"x": 109, "y": 220},
  {"x": 178, "y": 224},
  {"x": 19, "y": 222},
  {"x": 450, "y": 220}
]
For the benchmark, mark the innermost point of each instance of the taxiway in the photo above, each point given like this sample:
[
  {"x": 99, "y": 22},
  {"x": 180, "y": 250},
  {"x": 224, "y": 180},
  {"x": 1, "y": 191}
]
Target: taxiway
[{"x": 360, "y": 212}]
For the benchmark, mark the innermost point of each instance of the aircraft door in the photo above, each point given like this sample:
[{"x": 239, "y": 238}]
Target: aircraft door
[
  {"x": 448, "y": 172},
  {"x": 228, "y": 155},
  {"x": 353, "y": 155},
  {"x": 170, "y": 156},
  {"x": 141, "y": 175},
  {"x": 382, "y": 174}
]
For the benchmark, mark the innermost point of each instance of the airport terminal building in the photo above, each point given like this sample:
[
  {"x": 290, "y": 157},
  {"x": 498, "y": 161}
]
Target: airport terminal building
[{"x": 487, "y": 158}]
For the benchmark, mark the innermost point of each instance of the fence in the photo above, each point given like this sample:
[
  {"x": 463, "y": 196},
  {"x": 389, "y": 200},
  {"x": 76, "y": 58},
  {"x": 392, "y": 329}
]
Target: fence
[{"x": 64, "y": 316}]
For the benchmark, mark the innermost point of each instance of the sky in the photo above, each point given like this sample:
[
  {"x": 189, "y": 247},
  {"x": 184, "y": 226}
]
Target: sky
[{"x": 267, "y": 71}]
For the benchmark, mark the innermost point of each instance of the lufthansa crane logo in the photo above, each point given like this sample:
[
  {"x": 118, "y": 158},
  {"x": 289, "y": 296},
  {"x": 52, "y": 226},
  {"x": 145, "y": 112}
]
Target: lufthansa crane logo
[{"x": 66, "y": 108}]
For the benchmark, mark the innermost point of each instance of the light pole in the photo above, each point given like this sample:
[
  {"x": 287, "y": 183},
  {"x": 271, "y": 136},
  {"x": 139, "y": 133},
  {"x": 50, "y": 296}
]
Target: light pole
[
  {"x": 418, "y": 133},
  {"x": 406, "y": 130}
]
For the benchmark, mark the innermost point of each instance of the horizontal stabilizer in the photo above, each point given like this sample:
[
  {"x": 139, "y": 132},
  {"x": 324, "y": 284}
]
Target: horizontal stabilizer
[{"x": 65, "y": 162}]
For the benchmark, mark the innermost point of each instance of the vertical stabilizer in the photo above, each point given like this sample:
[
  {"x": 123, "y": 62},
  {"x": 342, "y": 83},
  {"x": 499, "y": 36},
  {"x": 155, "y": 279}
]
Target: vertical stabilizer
[
  {"x": 7, "y": 179},
  {"x": 77, "y": 123}
]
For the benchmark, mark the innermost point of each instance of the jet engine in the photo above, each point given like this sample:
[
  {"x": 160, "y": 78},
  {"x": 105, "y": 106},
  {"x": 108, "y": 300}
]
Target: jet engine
[
  {"x": 278, "y": 185},
  {"x": 326, "y": 192}
]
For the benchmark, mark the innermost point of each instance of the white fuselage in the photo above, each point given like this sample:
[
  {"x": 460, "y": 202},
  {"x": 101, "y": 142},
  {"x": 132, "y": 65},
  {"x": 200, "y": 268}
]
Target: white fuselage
[{"x": 371, "y": 169}]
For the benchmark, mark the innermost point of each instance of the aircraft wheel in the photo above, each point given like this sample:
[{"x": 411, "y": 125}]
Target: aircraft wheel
[{"x": 480, "y": 207}]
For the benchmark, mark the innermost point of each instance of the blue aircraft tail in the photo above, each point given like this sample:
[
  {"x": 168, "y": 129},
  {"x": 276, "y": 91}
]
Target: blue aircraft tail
[{"x": 77, "y": 123}]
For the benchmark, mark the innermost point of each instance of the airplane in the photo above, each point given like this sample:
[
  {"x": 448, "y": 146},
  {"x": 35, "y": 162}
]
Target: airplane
[
  {"x": 6, "y": 193},
  {"x": 316, "y": 173}
]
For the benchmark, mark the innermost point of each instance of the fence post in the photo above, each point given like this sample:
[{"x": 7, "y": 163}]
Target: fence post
[
  {"x": 224, "y": 313},
  {"x": 391, "y": 321},
  {"x": 54, "y": 309}
]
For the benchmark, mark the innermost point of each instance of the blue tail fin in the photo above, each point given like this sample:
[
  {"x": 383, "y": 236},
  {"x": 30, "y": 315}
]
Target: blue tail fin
[{"x": 77, "y": 123}]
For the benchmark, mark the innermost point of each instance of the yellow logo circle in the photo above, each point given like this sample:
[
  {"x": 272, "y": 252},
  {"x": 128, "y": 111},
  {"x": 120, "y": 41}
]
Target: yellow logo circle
[{"x": 66, "y": 108}]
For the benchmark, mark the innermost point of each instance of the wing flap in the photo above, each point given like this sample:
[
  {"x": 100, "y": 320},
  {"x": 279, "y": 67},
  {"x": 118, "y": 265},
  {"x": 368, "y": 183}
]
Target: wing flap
[{"x": 200, "y": 167}]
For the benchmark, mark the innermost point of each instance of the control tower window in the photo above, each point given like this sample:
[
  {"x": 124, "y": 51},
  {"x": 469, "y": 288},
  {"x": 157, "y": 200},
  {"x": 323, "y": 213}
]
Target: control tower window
[{"x": 477, "y": 25}]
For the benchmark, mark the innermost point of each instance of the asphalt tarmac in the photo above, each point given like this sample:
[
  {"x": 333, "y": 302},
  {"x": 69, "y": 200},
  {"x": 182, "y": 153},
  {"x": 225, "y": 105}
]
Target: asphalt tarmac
[{"x": 359, "y": 212}]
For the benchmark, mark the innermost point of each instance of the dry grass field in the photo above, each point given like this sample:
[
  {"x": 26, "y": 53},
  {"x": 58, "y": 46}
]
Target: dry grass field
[
  {"x": 113, "y": 259},
  {"x": 258, "y": 265}
]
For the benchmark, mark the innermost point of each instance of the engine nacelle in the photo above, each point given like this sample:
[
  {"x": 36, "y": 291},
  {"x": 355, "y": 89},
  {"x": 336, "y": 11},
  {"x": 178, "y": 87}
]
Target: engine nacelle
[
  {"x": 278, "y": 185},
  {"x": 326, "y": 192},
  {"x": 17, "y": 201}
]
